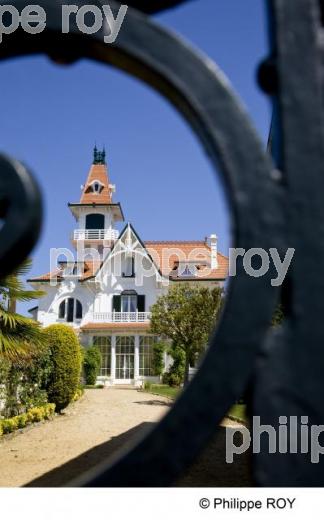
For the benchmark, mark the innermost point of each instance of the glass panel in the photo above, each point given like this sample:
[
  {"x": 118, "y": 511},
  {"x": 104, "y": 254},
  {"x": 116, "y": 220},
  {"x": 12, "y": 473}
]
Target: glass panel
[
  {"x": 125, "y": 350},
  {"x": 124, "y": 303},
  {"x": 78, "y": 313},
  {"x": 129, "y": 266},
  {"x": 62, "y": 310},
  {"x": 129, "y": 303},
  {"x": 132, "y": 303},
  {"x": 70, "y": 310},
  {"x": 146, "y": 355},
  {"x": 104, "y": 345}
]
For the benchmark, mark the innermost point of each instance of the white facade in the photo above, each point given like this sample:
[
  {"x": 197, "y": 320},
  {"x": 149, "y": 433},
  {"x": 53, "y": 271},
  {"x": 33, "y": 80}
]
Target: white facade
[{"x": 106, "y": 296}]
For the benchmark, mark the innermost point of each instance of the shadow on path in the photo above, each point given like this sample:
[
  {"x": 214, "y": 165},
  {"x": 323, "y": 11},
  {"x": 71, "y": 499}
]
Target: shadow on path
[
  {"x": 62, "y": 475},
  {"x": 209, "y": 470},
  {"x": 155, "y": 402}
]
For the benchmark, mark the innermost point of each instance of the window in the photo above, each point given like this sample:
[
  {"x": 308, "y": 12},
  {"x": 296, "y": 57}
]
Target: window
[
  {"x": 95, "y": 221},
  {"x": 104, "y": 345},
  {"x": 129, "y": 270},
  {"x": 70, "y": 310},
  {"x": 125, "y": 350},
  {"x": 96, "y": 186},
  {"x": 146, "y": 354},
  {"x": 189, "y": 270},
  {"x": 129, "y": 301},
  {"x": 78, "y": 311}
]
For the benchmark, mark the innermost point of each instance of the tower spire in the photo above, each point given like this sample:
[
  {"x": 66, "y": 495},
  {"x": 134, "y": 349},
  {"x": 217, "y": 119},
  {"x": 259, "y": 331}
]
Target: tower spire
[{"x": 99, "y": 157}]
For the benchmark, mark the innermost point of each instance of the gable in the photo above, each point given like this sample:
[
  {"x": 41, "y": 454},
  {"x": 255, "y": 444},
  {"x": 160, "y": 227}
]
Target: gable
[{"x": 128, "y": 244}]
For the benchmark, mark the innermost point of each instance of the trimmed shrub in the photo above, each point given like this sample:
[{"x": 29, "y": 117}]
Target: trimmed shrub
[
  {"x": 172, "y": 379},
  {"x": 49, "y": 410},
  {"x": 9, "y": 425},
  {"x": 22, "y": 420},
  {"x": 35, "y": 414},
  {"x": 147, "y": 385},
  {"x": 78, "y": 394},
  {"x": 91, "y": 364},
  {"x": 66, "y": 365},
  {"x": 22, "y": 383}
]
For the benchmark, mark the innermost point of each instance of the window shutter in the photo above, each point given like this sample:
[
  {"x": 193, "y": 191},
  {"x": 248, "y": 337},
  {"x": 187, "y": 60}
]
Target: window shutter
[
  {"x": 117, "y": 303},
  {"x": 141, "y": 303}
]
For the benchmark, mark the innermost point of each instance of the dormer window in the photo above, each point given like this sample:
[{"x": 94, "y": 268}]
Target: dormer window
[
  {"x": 68, "y": 269},
  {"x": 96, "y": 186},
  {"x": 187, "y": 270}
]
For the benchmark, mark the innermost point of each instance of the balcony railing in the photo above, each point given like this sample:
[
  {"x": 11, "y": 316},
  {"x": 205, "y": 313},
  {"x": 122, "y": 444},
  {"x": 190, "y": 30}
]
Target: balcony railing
[
  {"x": 121, "y": 317},
  {"x": 95, "y": 234}
]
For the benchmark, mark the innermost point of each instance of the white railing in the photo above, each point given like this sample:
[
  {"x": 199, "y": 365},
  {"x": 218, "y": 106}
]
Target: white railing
[
  {"x": 121, "y": 317},
  {"x": 95, "y": 234}
]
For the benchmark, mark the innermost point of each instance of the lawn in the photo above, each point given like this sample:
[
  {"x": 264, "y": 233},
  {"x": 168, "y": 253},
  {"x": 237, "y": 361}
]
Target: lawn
[
  {"x": 237, "y": 411},
  {"x": 164, "y": 390}
]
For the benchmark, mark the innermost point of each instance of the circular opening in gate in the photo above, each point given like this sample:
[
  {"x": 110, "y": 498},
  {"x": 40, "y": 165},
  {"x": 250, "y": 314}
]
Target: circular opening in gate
[{"x": 155, "y": 191}]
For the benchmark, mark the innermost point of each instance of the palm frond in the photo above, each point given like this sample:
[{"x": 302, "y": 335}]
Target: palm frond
[{"x": 19, "y": 335}]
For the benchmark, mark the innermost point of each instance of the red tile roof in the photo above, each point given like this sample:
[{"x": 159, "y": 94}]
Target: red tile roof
[
  {"x": 98, "y": 172},
  {"x": 166, "y": 256}
]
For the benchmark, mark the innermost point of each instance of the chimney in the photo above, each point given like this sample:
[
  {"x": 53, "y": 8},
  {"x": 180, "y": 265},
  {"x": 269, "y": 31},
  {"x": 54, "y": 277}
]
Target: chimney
[{"x": 213, "y": 251}]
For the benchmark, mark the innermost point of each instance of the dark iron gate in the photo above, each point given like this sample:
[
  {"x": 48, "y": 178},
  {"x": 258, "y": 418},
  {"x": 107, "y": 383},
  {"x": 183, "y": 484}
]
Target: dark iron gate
[{"x": 272, "y": 205}]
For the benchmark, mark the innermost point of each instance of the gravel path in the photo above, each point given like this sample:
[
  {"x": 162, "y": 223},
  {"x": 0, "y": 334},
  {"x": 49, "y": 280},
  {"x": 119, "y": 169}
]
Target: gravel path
[{"x": 100, "y": 424}]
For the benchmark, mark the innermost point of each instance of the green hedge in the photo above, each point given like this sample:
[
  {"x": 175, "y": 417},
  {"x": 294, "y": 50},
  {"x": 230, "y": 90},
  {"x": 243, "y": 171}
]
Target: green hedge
[
  {"x": 66, "y": 365},
  {"x": 36, "y": 414},
  {"x": 91, "y": 364}
]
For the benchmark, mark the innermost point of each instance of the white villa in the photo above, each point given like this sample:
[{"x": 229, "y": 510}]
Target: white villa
[{"x": 105, "y": 291}]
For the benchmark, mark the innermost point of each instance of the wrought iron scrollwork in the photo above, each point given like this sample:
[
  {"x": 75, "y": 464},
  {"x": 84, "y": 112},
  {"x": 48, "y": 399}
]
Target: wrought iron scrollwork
[
  {"x": 289, "y": 375},
  {"x": 260, "y": 215},
  {"x": 20, "y": 212}
]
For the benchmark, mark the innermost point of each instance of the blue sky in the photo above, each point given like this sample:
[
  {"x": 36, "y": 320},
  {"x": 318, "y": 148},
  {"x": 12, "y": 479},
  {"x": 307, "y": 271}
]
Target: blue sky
[{"x": 52, "y": 116}]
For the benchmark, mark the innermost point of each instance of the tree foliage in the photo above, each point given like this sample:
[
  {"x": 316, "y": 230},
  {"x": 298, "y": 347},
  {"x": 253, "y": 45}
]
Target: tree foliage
[
  {"x": 175, "y": 375},
  {"x": 186, "y": 316},
  {"x": 158, "y": 352},
  {"x": 66, "y": 364}
]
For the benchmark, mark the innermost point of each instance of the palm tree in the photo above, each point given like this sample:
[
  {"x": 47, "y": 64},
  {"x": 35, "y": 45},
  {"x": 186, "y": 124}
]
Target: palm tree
[{"x": 19, "y": 335}]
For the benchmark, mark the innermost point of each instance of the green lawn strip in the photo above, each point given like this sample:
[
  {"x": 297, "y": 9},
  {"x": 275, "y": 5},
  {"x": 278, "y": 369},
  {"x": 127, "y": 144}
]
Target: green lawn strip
[
  {"x": 237, "y": 412},
  {"x": 163, "y": 390}
]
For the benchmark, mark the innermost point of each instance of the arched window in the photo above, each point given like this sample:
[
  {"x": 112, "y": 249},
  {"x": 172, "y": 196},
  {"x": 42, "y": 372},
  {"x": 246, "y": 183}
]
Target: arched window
[
  {"x": 70, "y": 310},
  {"x": 61, "y": 313}
]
